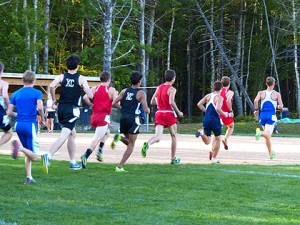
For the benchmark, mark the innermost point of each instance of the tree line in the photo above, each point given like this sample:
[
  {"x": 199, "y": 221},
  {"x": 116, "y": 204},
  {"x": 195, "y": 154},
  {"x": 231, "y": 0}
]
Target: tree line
[{"x": 259, "y": 38}]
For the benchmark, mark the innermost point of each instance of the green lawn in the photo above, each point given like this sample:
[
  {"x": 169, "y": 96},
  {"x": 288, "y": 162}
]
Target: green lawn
[
  {"x": 150, "y": 194},
  {"x": 246, "y": 128}
]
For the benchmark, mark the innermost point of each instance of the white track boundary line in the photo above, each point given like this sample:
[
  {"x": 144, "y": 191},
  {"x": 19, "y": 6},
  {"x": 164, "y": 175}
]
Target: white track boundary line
[{"x": 246, "y": 172}]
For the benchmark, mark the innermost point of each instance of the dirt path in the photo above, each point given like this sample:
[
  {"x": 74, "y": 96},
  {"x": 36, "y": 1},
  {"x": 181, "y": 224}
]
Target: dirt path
[{"x": 242, "y": 150}]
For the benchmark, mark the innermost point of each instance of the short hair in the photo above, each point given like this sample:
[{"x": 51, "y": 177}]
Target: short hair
[
  {"x": 217, "y": 85},
  {"x": 28, "y": 77},
  {"x": 270, "y": 81},
  {"x": 104, "y": 76},
  {"x": 135, "y": 77},
  {"x": 225, "y": 81},
  {"x": 72, "y": 62},
  {"x": 169, "y": 75},
  {"x": 1, "y": 67}
]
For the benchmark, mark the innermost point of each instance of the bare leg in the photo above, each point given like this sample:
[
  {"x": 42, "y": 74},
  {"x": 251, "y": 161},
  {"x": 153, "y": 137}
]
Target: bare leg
[
  {"x": 158, "y": 134},
  {"x": 173, "y": 132},
  {"x": 216, "y": 146},
  {"x": 267, "y": 133},
  {"x": 65, "y": 132},
  {"x": 6, "y": 137},
  {"x": 130, "y": 147},
  {"x": 100, "y": 134},
  {"x": 28, "y": 167},
  {"x": 71, "y": 145},
  {"x": 229, "y": 130}
]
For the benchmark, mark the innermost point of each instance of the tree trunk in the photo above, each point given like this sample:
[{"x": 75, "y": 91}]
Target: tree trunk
[
  {"x": 170, "y": 39},
  {"x": 46, "y": 39},
  {"x": 142, "y": 40},
  {"x": 237, "y": 98},
  {"x": 108, "y": 35},
  {"x": 27, "y": 30},
  {"x": 150, "y": 36},
  {"x": 272, "y": 47},
  {"x": 220, "y": 58},
  {"x": 248, "y": 63},
  {"x": 34, "y": 39},
  {"x": 212, "y": 57},
  {"x": 295, "y": 31},
  {"x": 188, "y": 69}
]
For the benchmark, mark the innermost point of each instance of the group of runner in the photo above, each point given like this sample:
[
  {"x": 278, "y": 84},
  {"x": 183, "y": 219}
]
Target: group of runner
[{"x": 131, "y": 101}]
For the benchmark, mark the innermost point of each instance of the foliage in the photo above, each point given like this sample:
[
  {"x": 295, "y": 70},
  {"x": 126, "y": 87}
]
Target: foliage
[
  {"x": 150, "y": 194},
  {"x": 77, "y": 27}
]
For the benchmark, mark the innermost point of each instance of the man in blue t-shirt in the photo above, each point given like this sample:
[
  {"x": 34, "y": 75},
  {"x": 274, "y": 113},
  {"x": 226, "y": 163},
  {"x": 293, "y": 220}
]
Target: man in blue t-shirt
[{"x": 26, "y": 100}]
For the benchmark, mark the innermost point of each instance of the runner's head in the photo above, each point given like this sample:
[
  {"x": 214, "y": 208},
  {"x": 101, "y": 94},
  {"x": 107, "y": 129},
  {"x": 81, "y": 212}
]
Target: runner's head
[
  {"x": 104, "y": 76},
  {"x": 170, "y": 75},
  {"x": 217, "y": 85},
  {"x": 28, "y": 77},
  {"x": 270, "y": 81},
  {"x": 72, "y": 62},
  {"x": 135, "y": 77},
  {"x": 225, "y": 81}
]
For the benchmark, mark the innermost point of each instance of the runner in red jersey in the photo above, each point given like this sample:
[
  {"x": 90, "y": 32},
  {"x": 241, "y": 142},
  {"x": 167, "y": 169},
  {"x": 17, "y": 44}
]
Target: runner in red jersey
[
  {"x": 103, "y": 96},
  {"x": 227, "y": 107},
  {"x": 165, "y": 117}
]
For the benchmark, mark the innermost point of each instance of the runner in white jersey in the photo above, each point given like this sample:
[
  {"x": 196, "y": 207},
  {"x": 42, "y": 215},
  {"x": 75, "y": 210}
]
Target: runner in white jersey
[{"x": 270, "y": 101}]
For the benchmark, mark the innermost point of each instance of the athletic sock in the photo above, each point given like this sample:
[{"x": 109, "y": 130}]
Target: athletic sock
[
  {"x": 73, "y": 162},
  {"x": 100, "y": 147},
  {"x": 88, "y": 153}
]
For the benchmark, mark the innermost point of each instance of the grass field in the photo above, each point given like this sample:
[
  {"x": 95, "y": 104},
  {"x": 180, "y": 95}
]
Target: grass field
[{"x": 150, "y": 194}]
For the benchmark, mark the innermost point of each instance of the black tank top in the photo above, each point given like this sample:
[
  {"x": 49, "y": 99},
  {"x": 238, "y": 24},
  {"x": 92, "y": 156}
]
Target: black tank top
[
  {"x": 129, "y": 103},
  {"x": 70, "y": 92}
]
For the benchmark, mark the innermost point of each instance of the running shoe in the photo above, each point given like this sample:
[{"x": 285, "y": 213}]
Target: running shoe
[
  {"x": 273, "y": 154},
  {"x": 117, "y": 137},
  {"x": 83, "y": 161},
  {"x": 15, "y": 149},
  {"x": 46, "y": 163},
  {"x": 210, "y": 154},
  {"x": 214, "y": 161},
  {"x": 198, "y": 133},
  {"x": 113, "y": 145},
  {"x": 145, "y": 149},
  {"x": 175, "y": 161},
  {"x": 99, "y": 157},
  {"x": 225, "y": 143},
  {"x": 75, "y": 166},
  {"x": 29, "y": 181},
  {"x": 258, "y": 134},
  {"x": 118, "y": 170}
]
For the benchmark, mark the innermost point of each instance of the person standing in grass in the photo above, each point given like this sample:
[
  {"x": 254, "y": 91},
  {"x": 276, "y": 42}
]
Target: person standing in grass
[
  {"x": 131, "y": 98},
  {"x": 270, "y": 100},
  {"x": 100, "y": 119},
  {"x": 165, "y": 117},
  {"x": 4, "y": 101},
  {"x": 227, "y": 107},
  {"x": 211, "y": 121},
  {"x": 27, "y": 100},
  {"x": 68, "y": 111}
]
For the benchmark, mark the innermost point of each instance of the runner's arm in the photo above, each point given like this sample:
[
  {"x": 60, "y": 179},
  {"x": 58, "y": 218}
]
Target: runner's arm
[
  {"x": 172, "y": 93},
  {"x": 53, "y": 85},
  {"x": 141, "y": 96},
  {"x": 153, "y": 99}
]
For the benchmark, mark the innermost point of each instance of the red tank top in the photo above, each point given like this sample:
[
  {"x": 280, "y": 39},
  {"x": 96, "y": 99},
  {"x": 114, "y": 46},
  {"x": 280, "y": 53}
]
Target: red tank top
[
  {"x": 102, "y": 101},
  {"x": 162, "y": 98},
  {"x": 223, "y": 93}
]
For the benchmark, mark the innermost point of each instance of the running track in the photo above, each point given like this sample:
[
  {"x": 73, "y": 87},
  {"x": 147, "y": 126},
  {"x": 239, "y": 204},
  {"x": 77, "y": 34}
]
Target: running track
[{"x": 242, "y": 150}]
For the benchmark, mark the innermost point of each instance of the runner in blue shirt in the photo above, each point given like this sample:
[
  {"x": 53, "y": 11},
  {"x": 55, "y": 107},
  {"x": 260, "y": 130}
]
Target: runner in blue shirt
[{"x": 27, "y": 100}]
